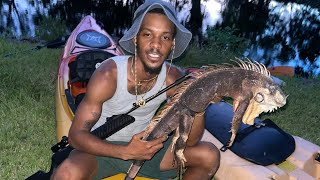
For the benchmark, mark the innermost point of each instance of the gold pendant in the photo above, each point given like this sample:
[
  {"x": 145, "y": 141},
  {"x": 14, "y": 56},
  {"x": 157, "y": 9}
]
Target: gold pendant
[{"x": 141, "y": 102}]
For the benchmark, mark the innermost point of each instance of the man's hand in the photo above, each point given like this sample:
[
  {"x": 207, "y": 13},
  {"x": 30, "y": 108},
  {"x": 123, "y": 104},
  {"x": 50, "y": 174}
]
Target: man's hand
[{"x": 138, "y": 149}]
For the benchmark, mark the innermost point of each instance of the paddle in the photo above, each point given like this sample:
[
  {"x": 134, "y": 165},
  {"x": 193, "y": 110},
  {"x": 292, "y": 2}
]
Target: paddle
[{"x": 57, "y": 43}]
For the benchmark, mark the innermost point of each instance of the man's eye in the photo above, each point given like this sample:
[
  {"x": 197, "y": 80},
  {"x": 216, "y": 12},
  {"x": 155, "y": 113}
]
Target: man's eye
[{"x": 166, "y": 38}]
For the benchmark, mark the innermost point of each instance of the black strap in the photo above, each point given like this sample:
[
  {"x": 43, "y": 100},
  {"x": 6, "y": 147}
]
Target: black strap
[
  {"x": 246, "y": 131},
  {"x": 113, "y": 124}
]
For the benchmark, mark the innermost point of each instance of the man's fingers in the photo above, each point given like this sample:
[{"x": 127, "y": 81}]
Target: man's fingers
[{"x": 139, "y": 135}]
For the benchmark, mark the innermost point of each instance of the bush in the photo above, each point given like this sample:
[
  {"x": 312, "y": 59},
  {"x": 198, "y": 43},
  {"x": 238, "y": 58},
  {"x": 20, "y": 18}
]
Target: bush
[{"x": 49, "y": 29}]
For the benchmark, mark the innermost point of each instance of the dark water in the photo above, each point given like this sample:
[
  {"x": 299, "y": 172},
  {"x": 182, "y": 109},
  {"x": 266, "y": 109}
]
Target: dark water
[{"x": 280, "y": 34}]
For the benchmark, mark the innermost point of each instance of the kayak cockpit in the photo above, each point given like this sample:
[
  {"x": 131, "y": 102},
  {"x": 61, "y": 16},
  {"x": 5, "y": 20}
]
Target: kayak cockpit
[{"x": 81, "y": 69}]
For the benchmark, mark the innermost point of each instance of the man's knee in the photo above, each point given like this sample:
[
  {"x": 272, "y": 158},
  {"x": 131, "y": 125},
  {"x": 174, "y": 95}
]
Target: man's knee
[
  {"x": 210, "y": 157},
  {"x": 66, "y": 170},
  {"x": 77, "y": 166},
  {"x": 205, "y": 155}
]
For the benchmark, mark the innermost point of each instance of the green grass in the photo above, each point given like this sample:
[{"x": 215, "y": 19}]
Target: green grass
[
  {"x": 27, "y": 125},
  {"x": 27, "y": 84}
]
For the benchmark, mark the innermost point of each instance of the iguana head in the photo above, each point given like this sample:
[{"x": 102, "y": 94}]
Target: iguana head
[
  {"x": 266, "y": 97},
  {"x": 261, "y": 92}
]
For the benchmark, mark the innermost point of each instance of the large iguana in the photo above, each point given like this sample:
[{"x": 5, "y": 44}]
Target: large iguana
[{"x": 249, "y": 85}]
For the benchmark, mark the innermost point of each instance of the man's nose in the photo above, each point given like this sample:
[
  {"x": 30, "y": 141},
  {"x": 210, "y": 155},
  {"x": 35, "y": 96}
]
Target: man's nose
[{"x": 156, "y": 43}]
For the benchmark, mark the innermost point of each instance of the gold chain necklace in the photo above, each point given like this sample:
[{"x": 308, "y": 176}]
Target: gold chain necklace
[{"x": 141, "y": 102}]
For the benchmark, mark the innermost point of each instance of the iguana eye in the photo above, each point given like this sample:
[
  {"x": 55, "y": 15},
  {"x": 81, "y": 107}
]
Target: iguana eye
[{"x": 259, "y": 98}]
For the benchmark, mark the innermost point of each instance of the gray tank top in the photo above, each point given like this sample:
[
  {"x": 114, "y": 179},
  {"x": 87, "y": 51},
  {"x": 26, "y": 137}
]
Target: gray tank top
[{"x": 122, "y": 102}]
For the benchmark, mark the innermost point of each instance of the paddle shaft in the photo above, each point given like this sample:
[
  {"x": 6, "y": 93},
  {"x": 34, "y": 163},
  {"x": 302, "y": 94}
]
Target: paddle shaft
[{"x": 51, "y": 44}]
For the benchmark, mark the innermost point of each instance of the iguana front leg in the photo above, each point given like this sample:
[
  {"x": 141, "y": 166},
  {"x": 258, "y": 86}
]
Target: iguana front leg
[
  {"x": 240, "y": 109},
  {"x": 185, "y": 124}
]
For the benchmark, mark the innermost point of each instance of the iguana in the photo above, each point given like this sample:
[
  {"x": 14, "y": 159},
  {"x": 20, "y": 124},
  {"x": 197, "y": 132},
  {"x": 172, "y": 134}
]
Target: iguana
[{"x": 249, "y": 85}]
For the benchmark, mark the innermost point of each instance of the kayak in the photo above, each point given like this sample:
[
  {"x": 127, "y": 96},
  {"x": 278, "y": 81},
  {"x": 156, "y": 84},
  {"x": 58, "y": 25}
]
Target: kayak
[{"x": 87, "y": 45}]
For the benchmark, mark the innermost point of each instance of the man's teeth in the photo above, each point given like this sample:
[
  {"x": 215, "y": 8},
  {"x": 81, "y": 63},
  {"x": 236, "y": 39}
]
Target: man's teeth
[{"x": 154, "y": 55}]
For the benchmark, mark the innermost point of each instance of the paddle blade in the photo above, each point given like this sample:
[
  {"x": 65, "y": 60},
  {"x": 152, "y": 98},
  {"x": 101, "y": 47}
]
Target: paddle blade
[{"x": 57, "y": 43}]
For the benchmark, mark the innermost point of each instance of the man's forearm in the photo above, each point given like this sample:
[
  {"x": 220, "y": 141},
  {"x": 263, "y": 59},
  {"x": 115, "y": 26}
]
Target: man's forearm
[{"x": 95, "y": 146}]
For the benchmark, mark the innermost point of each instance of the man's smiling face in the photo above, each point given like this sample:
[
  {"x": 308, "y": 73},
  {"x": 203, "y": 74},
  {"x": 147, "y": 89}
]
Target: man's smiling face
[{"x": 154, "y": 41}]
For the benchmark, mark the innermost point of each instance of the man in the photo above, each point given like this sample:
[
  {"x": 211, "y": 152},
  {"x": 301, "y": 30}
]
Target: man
[{"x": 123, "y": 80}]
